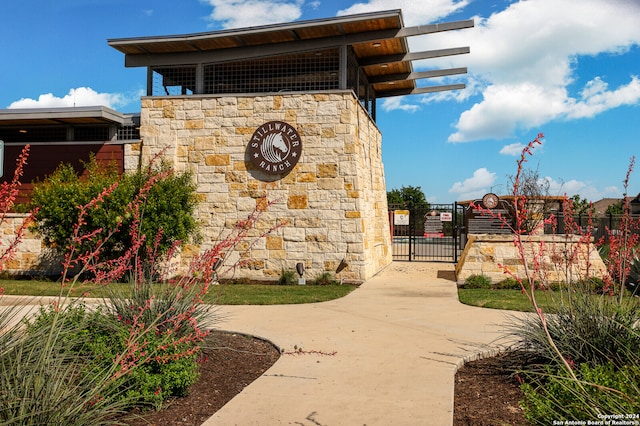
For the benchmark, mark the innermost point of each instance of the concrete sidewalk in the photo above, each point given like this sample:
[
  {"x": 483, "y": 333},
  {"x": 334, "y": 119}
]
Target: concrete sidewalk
[{"x": 398, "y": 340}]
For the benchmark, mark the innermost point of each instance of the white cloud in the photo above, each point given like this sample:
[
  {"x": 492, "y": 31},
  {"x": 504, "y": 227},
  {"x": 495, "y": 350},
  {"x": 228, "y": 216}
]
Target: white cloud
[
  {"x": 528, "y": 54},
  {"x": 514, "y": 149},
  {"x": 81, "y": 96},
  {"x": 414, "y": 12},
  {"x": 585, "y": 190},
  {"x": 399, "y": 103},
  {"x": 523, "y": 60},
  {"x": 596, "y": 98},
  {"x": 507, "y": 108},
  {"x": 475, "y": 186},
  {"x": 249, "y": 13}
]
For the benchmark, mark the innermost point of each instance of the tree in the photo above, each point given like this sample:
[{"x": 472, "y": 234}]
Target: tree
[
  {"x": 581, "y": 205},
  {"x": 409, "y": 197},
  {"x": 616, "y": 208},
  {"x": 167, "y": 207},
  {"x": 533, "y": 192}
]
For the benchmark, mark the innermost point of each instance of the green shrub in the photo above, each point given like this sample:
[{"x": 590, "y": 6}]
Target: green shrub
[
  {"x": 601, "y": 390},
  {"x": 163, "y": 351},
  {"x": 164, "y": 370},
  {"x": 46, "y": 377},
  {"x": 171, "y": 217},
  {"x": 174, "y": 322},
  {"x": 593, "y": 285},
  {"x": 508, "y": 284},
  {"x": 288, "y": 277},
  {"x": 478, "y": 281},
  {"x": 324, "y": 278},
  {"x": 586, "y": 329}
]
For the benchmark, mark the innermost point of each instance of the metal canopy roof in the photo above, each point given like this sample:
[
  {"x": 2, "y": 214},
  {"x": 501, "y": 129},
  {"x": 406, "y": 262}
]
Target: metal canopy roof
[
  {"x": 379, "y": 41},
  {"x": 95, "y": 115}
]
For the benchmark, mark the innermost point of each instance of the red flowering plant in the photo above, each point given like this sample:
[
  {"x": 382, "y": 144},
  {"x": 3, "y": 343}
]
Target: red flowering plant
[
  {"x": 164, "y": 318},
  {"x": 589, "y": 345},
  {"x": 8, "y": 192},
  {"x": 623, "y": 243},
  {"x": 531, "y": 257},
  {"x": 138, "y": 347}
]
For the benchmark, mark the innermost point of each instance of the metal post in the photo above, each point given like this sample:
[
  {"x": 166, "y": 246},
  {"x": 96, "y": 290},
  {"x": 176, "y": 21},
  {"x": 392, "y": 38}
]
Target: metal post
[
  {"x": 454, "y": 232},
  {"x": 1, "y": 158},
  {"x": 411, "y": 228}
]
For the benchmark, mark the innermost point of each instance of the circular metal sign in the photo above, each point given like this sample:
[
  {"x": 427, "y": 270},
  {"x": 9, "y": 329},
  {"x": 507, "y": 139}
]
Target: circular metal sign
[
  {"x": 490, "y": 201},
  {"x": 275, "y": 147}
]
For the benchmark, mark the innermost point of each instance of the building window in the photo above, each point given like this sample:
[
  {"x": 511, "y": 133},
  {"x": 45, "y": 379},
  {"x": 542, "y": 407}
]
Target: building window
[
  {"x": 32, "y": 134},
  {"x": 91, "y": 133}
]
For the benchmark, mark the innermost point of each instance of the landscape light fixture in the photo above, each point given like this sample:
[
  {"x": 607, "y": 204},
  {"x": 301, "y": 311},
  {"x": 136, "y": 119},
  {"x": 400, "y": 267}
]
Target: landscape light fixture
[
  {"x": 342, "y": 266},
  {"x": 300, "y": 269},
  {"x": 214, "y": 269}
]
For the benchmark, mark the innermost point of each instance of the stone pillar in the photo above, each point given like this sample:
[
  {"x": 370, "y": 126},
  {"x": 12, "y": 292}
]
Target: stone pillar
[
  {"x": 485, "y": 253},
  {"x": 332, "y": 205}
]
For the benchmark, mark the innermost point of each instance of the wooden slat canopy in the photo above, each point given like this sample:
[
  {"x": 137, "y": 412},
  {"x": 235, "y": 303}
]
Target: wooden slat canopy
[{"x": 378, "y": 40}]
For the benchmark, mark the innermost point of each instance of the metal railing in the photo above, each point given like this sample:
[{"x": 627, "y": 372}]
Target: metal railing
[{"x": 600, "y": 226}]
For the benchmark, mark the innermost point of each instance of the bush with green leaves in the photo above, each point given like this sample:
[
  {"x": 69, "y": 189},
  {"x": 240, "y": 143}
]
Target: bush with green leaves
[
  {"x": 167, "y": 207},
  {"x": 478, "y": 281},
  {"x": 44, "y": 379},
  {"x": 71, "y": 365},
  {"x": 165, "y": 347},
  {"x": 288, "y": 277},
  {"x": 508, "y": 284},
  {"x": 587, "y": 328},
  {"x": 589, "y": 347},
  {"x": 324, "y": 278},
  {"x": 600, "y": 390}
]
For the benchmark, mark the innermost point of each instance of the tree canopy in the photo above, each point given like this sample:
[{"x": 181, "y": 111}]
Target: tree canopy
[{"x": 409, "y": 197}]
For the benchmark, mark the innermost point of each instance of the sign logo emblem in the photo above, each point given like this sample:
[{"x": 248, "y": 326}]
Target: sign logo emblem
[
  {"x": 490, "y": 201},
  {"x": 275, "y": 147}
]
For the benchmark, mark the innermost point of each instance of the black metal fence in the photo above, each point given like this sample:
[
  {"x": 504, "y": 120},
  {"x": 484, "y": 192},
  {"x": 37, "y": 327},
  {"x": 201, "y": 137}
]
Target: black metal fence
[
  {"x": 600, "y": 226},
  {"x": 427, "y": 234},
  {"x": 439, "y": 232}
]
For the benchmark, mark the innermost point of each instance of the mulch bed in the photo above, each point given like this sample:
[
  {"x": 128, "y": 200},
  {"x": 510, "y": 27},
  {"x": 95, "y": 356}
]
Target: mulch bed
[
  {"x": 487, "y": 392},
  {"x": 230, "y": 364}
]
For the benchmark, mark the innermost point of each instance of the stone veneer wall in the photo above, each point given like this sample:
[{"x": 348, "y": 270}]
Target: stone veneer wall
[
  {"x": 29, "y": 250},
  {"x": 30, "y": 256},
  {"x": 483, "y": 254},
  {"x": 333, "y": 203}
]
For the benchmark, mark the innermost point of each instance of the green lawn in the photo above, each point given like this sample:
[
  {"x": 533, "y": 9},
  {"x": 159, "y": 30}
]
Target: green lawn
[
  {"x": 226, "y": 294},
  {"x": 261, "y": 294},
  {"x": 513, "y": 300}
]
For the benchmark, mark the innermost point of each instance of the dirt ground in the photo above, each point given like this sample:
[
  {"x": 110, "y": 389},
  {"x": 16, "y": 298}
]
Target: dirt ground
[
  {"x": 486, "y": 392},
  {"x": 228, "y": 366}
]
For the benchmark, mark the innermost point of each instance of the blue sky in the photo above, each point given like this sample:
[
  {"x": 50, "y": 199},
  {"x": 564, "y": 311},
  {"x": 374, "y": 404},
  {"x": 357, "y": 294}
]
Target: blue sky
[{"x": 567, "y": 68}]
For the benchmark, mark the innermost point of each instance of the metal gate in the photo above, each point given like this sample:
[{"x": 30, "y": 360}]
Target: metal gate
[{"x": 428, "y": 234}]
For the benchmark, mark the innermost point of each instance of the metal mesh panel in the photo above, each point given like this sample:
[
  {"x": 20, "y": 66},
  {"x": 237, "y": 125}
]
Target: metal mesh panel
[
  {"x": 174, "y": 81},
  {"x": 131, "y": 130},
  {"x": 297, "y": 72},
  {"x": 305, "y": 71},
  {"x": 127, "y": 133},
  {"x": 357, "y": 80}
]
